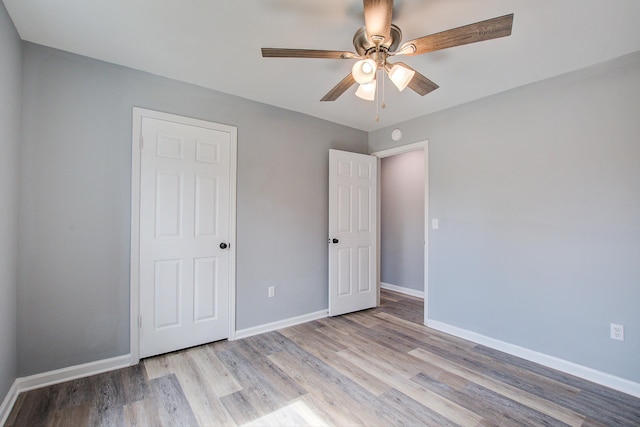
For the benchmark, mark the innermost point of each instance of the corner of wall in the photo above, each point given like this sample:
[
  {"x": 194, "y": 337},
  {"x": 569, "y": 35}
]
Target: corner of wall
[{"x": 10, "y": 110}]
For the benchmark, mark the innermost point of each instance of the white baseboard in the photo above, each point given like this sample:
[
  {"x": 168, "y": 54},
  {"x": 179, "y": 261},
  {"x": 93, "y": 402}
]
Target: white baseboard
[
  {"x": 72, "y": 372},
  {"x": 402, "y": 290},
  {"x": 280, "y": 324},
  {"x": 8, "y": 402},
  {"x": 598, "y": 377},
  {"x": 58, "y": 376}
]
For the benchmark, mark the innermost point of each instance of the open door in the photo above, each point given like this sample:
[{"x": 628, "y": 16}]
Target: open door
[{"x": 352, "y": 232}]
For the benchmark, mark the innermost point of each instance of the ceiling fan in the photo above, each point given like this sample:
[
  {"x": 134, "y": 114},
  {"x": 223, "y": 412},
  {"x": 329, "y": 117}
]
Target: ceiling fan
[{"x": 378, "y": 41}]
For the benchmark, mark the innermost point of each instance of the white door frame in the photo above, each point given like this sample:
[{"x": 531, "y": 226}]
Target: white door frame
[
  {"x": 422, "y": 145},
  {"x": 134, "y": 281}
]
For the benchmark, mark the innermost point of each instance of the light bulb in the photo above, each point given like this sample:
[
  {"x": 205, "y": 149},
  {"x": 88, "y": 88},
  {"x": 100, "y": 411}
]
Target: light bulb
[{"x": 364, "y": 71}]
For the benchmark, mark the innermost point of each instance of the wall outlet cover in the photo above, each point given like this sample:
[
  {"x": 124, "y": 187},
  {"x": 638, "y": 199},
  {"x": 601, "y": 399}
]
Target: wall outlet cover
[{"x": 617, "y": 332}]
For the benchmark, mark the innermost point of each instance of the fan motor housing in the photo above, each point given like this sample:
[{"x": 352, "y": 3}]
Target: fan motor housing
[{"x": 364, "y": 46}]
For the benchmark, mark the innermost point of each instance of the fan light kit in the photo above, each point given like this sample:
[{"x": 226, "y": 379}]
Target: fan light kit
[{"x": 379, "y": 40}]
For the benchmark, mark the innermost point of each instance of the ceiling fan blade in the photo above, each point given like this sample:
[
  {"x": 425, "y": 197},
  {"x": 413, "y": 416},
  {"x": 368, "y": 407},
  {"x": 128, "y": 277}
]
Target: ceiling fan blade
[
  {"x": 377, "y": 18},
  {"x": 270, "y": 52},
  {"x": 339, "y": 89},
  {"x": 480, "y": 31},
  {"x": 419, "y": 83}
]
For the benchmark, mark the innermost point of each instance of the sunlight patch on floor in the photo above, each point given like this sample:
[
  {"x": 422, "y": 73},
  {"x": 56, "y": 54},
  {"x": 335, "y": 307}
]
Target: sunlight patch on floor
[{"x": 297, "y": 413}]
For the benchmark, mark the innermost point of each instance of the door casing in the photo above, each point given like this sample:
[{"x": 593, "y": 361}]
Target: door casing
[{"x": 138, "y": 114}]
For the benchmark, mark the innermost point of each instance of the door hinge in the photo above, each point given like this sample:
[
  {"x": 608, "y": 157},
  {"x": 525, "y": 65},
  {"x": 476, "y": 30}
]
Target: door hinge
[
  {"x": 141, "y": 141},
  {"x": 140, "y": 322}
]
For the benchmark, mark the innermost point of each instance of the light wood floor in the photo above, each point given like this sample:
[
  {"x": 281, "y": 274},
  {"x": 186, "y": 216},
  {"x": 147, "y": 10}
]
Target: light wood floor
[{"x": 378, "y": 367}]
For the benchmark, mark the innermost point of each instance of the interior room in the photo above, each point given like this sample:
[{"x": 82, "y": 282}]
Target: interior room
[{"x": 530, "y": 205}]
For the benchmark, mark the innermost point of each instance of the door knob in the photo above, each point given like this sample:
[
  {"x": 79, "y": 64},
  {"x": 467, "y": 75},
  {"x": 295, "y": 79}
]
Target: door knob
[
  {"x": 334, "y": 240},
  {"x": 223, "y": 245}
]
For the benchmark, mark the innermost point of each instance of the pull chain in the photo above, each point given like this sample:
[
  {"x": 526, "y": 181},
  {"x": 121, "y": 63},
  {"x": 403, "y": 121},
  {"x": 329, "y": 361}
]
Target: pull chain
[
  {"x": 377, "y": 97},
  {"x": 383, "y": 106}
]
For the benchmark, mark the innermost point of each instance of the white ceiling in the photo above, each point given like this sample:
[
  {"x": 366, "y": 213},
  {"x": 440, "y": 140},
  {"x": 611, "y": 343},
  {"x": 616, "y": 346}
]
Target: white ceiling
[{"x": 216, "y": 44}]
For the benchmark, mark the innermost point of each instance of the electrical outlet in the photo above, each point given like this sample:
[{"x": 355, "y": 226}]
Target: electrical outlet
[
  {"x": 435, "y": 224},
  {"x": 617, "y": 332},
  {"x": 272, "y": 291}
]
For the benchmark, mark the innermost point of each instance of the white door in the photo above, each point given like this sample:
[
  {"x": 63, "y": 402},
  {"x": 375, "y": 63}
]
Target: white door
[
  {"x": 352, "y": 232},
  {"x": 184, "y": 235}
]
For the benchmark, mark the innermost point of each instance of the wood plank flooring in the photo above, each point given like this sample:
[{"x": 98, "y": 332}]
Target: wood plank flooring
[{"x": 378, "y": 367}]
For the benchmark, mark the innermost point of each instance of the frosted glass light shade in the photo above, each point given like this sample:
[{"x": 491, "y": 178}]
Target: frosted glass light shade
[
  {"x": 400, "y": 76},
  {"x": 367, "y": 91},
  {"x": 364, "y": 71}
]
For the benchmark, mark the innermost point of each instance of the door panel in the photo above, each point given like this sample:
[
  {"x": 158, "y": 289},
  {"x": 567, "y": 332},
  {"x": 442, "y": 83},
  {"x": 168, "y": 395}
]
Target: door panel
[
  {"x": 352, "y": 222},
  {"x": 184, "y": 217},
  {"x": 167, "y": 291},
  {"x": 364, "y": 269},
  {"x": 344, "y": 271},
  {"x": 168, "y": 210},
  {"x": 206, "y": 209},
  {"x": 205, "y": 294}
]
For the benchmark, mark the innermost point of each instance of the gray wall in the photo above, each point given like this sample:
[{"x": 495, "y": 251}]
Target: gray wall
[
  {"x": 73, "y": 302},
  {"x": 402, "y": 220},
  {"x": 538, "y": 195},
  {"x": 537, "y": 190},
  {"x": 10, "y": 67}
]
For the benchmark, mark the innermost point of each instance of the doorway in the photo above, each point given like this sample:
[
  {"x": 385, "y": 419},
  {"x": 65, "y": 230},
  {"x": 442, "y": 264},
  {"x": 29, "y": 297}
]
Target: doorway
[{"x": 401, "y": 233}]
